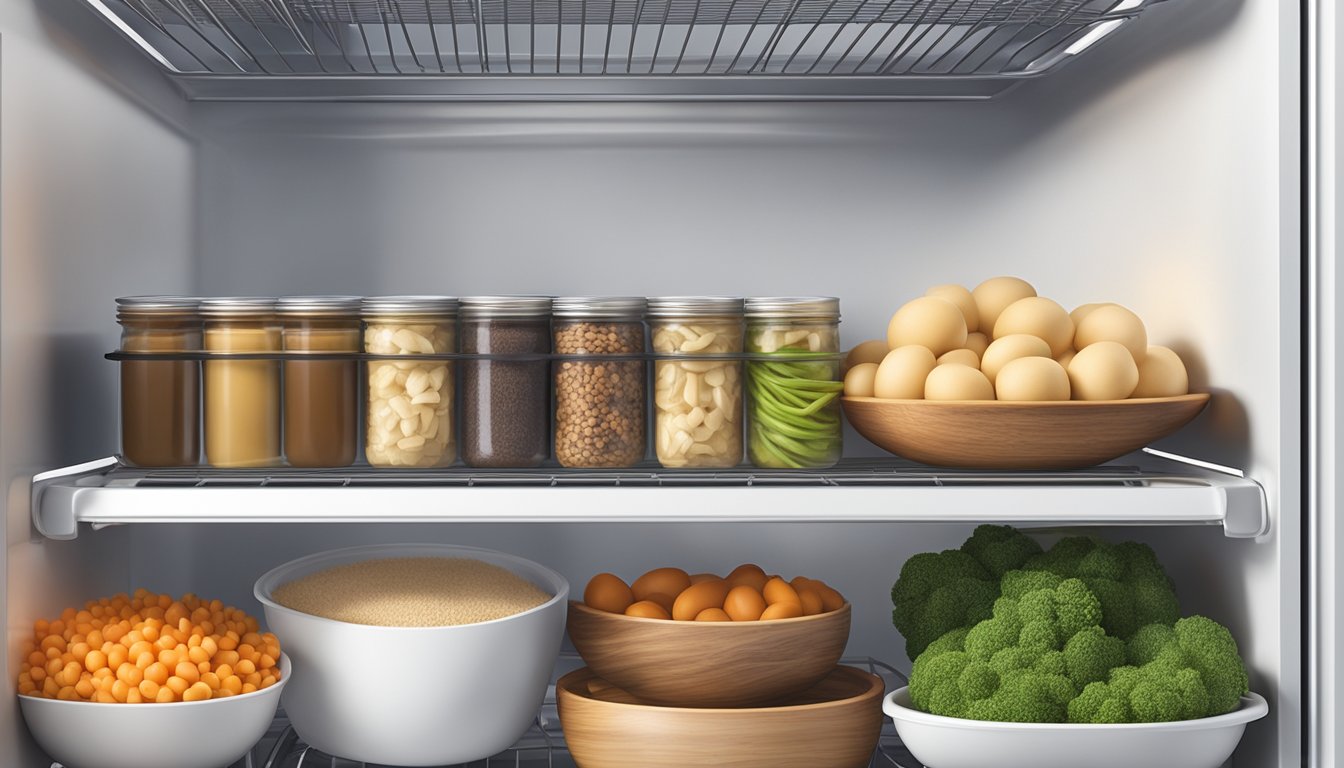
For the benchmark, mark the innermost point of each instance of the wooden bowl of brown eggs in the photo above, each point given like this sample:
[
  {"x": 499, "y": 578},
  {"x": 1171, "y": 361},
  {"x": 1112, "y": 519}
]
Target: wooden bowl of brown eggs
[{"x": 1000, "y": 378}]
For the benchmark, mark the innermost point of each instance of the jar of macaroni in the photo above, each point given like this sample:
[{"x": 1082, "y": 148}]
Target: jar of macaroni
[
  {"x": 697, "y": 380},
  {"x": 242, "y": 397},
  {"x": 600, "y": 417},
  {"x": 321, "y": 403},
  {"x": 409, "y": 408},
  {"x": 160, "y": 399},
  {"x": 793, "y": 382}
]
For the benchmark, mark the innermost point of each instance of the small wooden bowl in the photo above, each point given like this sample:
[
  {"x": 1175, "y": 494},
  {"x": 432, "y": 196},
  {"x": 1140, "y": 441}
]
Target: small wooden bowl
[
  {"x": 709, "y": 664},
  {"x": 834, "y": 724},
  {"x": 994, "y": 434}
]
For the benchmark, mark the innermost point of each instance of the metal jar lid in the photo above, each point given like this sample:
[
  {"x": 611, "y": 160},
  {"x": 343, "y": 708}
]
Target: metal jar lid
[
  {"x": 317, "y": 306},
  {"x": 503, "y": 307},
  {"x": 789, "y": 307},
  {"x": 133, "y": 307},
  {"x": 409, "y": 306},
  {"x": 238, "y": 308},
  {"x": 599, "y": 307},
  {"x": 695, "y": 306}
]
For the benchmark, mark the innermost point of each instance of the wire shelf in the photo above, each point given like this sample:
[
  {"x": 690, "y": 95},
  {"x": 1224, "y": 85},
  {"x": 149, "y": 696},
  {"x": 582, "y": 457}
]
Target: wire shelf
[
  {"x": 221, "y": 49},
  {"x": 543, "y": 746}
]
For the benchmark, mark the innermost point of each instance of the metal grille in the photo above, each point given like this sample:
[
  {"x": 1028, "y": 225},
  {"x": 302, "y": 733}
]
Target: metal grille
[{"x": 660, "y": 38}]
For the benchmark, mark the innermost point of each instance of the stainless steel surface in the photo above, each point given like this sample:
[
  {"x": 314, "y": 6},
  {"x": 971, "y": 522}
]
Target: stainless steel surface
[
  {"x": 683, "y": 306},
  {"x": 499, "y": 307},
  {"x": 598, "y": 307},
  {"x": 704, "y": 48},
  {"x": 408, "y": 306}
]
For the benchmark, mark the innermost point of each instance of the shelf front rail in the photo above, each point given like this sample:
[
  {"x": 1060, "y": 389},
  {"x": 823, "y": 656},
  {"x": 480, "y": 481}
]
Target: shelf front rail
[{"x": 1153, "y": 492}]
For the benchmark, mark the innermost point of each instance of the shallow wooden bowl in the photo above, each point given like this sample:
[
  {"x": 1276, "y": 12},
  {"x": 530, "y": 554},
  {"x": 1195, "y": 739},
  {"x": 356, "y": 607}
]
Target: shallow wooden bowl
[
  {"x": 991, "y": 434},
  {"x": 705, "y": 663},
  {"x": 834, "y": 724}
]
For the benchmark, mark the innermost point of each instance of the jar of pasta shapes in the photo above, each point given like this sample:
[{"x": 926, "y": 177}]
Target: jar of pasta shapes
[
  {"x": 793, "y": 382},
  {"x": 160, "y": 399},
  {"x": 697, "y": 380},
  {"x": 409, "y": 403},
  {"x": 600, "y": 417}
]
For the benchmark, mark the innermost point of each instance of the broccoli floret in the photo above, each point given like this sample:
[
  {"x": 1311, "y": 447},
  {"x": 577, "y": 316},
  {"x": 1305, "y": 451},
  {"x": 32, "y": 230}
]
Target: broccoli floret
[
  {"x": 1000, "y": 548},
  {"x": 1188, "y": 671},
  {"x": 1128, "y": 580},
  {"x": 938, "y": 592},
  {"x": 941, "y": 591},
  {"x": 1090, "y": 655}
]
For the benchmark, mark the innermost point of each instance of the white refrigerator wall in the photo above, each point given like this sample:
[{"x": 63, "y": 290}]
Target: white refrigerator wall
[{"x": 1160, "y": 171}]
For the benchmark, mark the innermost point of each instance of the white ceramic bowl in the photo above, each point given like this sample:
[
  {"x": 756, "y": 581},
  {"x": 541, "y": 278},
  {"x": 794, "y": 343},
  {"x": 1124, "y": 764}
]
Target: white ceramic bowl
[
  {"x": 951, "y": 742},
  {"x": 196, "y": 734},
  {"x": 416, "y": 696}
]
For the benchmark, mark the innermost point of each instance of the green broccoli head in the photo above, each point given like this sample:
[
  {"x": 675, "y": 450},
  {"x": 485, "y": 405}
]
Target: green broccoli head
[
  {"x": 938, "y": 592},
  {"x": 1090, "y": 655},
  {"x": 1128, "y": 580},
  {"x": 1210, "y": 649}
]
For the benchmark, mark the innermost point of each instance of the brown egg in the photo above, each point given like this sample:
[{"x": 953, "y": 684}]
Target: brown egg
[
  {"x": 871, "y": 351},
  {"x": 808, "y": 594},
  {"x": 606, "y": 592},
  {"x": 698, "y": 597},
  {"x": 778, "y": 590},
  {"x": 744, "y": 603},
  {"x": 831, "y": 600},
  {"x": 712, "y": 614},
  {"x": 668, "y": 581},
  {"x": 647, "y": 609},
  {"x": 785, "y": 610},
  {"x": 696, "y": 578},
  {"x": 748, "y": 574},
  {"x": 664, "y": 600}
]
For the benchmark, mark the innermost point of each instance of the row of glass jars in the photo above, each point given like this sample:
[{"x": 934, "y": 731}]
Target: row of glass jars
[{"x": 788, "y": 394}]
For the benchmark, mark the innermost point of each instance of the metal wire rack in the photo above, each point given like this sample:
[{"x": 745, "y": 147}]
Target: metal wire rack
[
  {"x": 611, "y": 48},
  {"x": 543, "y": 744}
]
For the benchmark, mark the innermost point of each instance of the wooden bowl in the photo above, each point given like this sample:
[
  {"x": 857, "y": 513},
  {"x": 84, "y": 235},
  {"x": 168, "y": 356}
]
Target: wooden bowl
[
  {"x": 709, "y": 664},
  {"x": 834, "y": 724},
  {"x": 994, "y": 434}
]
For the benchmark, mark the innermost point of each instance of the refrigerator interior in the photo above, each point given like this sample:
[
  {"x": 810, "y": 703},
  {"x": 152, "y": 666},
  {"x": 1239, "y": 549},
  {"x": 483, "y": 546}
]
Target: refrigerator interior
[{"x": 1160, "y": 171}]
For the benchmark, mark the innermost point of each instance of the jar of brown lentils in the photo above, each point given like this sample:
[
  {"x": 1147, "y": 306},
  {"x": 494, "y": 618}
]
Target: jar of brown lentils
[{"x": 600, "y": 417}]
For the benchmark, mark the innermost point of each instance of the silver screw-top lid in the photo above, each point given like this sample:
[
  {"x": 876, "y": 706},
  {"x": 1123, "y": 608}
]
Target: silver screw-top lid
[
  {"x": 501, "y": 307},
  {"x": 317, "y": 306},
  {"x": 599, "y": 307},
  {"x": 153, "y": 306},
  {"x": 409, "y": 306},
  {"x": 691, "y": 306},
  {"x": 784, "y": 307},
  {"x": 238, "y": 308}
]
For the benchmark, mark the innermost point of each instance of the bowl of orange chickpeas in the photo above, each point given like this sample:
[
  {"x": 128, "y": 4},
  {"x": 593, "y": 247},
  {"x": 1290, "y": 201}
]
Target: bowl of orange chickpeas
[
  {"x": 676, "y": 639},
  {"x": 150, "y": 681}
]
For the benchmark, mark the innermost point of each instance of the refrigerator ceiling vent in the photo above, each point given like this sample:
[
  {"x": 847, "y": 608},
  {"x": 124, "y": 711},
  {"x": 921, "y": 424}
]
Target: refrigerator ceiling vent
[{"x": 611, "y": 49}]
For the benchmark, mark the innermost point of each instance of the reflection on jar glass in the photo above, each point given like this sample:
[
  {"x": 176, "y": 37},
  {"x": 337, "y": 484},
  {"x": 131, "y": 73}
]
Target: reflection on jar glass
[
  {"x": 599, "y": 404},
  {"x": 697, "y": 389},
  {"x": 409, "y": 416},
  {"x": 793, "y": 382}
]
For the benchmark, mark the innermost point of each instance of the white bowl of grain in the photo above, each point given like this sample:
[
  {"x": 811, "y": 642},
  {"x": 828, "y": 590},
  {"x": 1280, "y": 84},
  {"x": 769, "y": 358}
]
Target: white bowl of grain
[{"x": 415, "y": 654}]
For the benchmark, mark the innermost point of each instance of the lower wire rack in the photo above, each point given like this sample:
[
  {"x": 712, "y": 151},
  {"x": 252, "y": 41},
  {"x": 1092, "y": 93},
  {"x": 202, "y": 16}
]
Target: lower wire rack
[{"x": 544, "y": 744}]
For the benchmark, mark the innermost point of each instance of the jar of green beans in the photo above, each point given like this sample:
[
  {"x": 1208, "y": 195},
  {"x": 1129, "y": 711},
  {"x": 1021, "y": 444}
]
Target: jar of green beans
[{"x": 793, "y": 382}]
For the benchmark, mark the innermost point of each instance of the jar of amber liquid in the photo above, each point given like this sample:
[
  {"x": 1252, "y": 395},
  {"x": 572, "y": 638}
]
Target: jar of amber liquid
[
  {"x": 242, "y": 397},
  {"x": 321, "y": 410},
  {"x": 160, "y": 399}
]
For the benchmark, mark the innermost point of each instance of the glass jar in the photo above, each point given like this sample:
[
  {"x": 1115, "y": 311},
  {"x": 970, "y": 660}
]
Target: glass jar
[
  {"x": 697, "y": 400},
  {"x": 793, "y": 382},
  {"x": 242, "y": 397},
  {"x": 409, "y": 418},
  {"x": 321, "y": 413},
  {"x": 506, "y": 403},
  {"x": 160, "y": 399},
  {"x": 600, "y": 416}
]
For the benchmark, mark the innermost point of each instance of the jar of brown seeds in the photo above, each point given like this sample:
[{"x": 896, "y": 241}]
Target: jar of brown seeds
[{"x": 600, "y": 416}]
